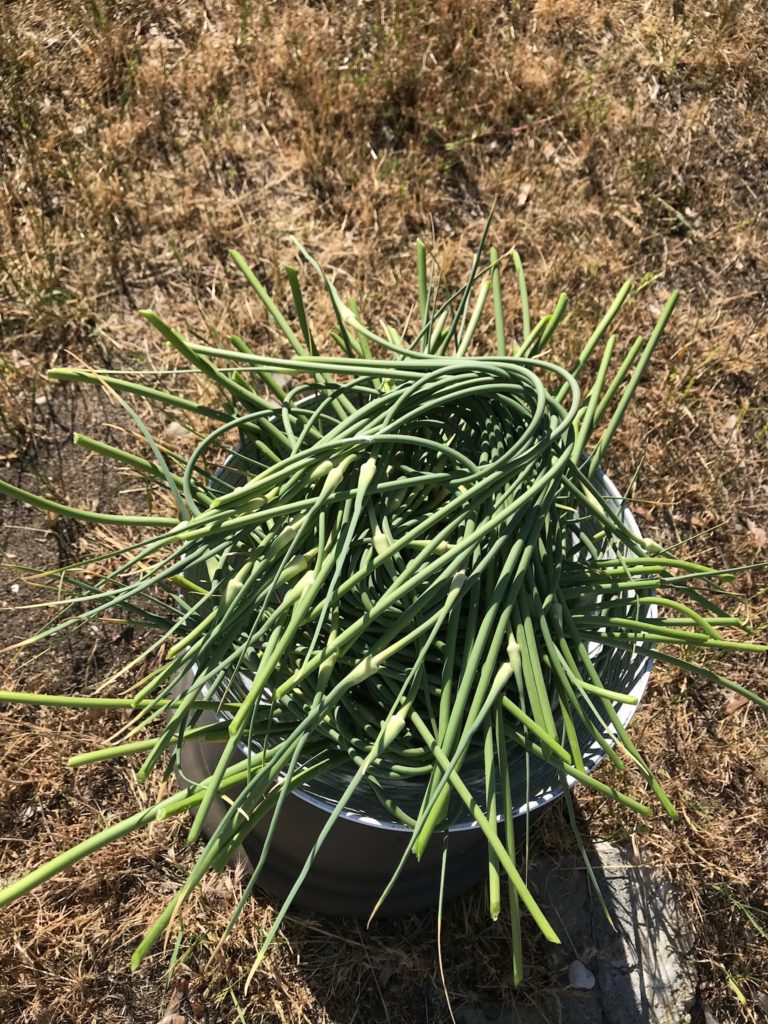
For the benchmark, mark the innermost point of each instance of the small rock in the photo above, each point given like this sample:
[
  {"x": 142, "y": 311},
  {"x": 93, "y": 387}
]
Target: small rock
[
  {"x": 759, "y": 535},
  {"x": 176, "y": 429},
  {"x": 709, "y": 1017},
  {"x": 734, "y": 702},
  {"x": 580, "y": 977},
  {"x": 385, "y": 973},
  {"x": 20, "y": 362},
  {"x": 525, "y": 191}
]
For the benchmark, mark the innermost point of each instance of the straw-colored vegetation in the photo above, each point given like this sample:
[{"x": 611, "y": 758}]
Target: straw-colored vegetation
[{"x": 138, "y": 142}]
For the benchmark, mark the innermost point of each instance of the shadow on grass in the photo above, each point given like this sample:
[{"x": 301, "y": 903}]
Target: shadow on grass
[{"x": 391, "y": 970}]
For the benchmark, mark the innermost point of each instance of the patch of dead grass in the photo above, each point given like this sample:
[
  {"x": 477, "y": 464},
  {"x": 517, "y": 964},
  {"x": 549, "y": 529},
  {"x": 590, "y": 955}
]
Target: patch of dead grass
[{"x": 139, "y": 142}]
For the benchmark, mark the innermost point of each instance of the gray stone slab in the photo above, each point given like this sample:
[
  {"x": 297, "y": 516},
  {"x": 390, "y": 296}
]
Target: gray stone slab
[{"x": 642, "y": 967}]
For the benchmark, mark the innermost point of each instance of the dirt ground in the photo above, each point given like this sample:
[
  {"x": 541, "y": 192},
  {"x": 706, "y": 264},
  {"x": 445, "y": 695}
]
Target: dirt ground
[{"x": 140, "y": 141}]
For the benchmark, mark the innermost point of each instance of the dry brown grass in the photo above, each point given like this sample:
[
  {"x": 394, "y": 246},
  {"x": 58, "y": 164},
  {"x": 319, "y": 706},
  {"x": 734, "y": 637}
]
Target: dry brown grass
[{"x": 138, "y": 142}]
